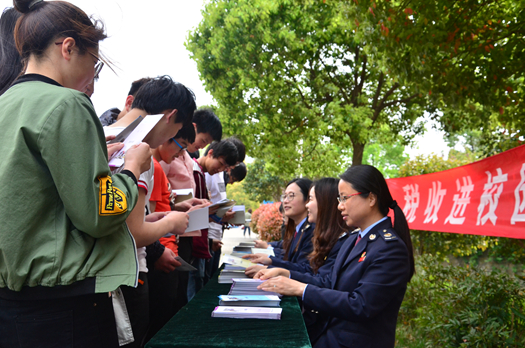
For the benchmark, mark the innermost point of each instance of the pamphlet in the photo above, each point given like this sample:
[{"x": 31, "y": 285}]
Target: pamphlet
[
  {"x": 237, "y": 261},
  {"x": 185, "y": 267},
  {"x": 138, "y": 134},
  {"x": 183, "y": 195}
]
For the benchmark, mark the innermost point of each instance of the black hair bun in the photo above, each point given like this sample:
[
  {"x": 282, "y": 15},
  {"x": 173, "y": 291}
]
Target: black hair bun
[{"x": 25, "y": 6}]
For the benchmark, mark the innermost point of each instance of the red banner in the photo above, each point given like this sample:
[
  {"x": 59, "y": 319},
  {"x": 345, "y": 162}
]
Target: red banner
[{"x": 485, "y": 197}]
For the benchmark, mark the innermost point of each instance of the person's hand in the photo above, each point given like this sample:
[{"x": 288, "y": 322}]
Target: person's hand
[
  {"x": 182, "y": 206},
  {"x": 179, "y": 221},
  {"x": 259, "y": 258},
  {"x": 253, "y": 270},
  {"x": 156, "y": 216},
  {"x": 138, "y": 158},
  {"x": 200, "y": 206},
  {"x": 115, "y": 147},
  {"x": 112, "y": 148},
  {"x": 228, "y": 216},
  {"x": 268, "y": 273},
  {"x": 261, "y": 244},
  {"x": 284, "y": 286},
  {"x": 167, "y": 262},
  {"x": 188, "y": 204},
  {"x": 197, "y": 201},
  {"x": 216, "y": 245}
]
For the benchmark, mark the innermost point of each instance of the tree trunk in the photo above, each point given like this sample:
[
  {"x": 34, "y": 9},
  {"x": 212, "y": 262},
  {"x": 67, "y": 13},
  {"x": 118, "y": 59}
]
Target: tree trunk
[{"x": 357, "y": 156}]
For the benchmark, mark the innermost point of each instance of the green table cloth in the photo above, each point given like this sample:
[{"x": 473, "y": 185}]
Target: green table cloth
[{"x": 194, "y": 327}]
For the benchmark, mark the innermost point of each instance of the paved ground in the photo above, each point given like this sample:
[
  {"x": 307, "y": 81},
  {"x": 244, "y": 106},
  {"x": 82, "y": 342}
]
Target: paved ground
[{"x": 233, "y": 237}]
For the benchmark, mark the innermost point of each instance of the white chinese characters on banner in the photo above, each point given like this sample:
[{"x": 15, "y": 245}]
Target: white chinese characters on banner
[
  {"x": 435, "y": 198},
  {"x": 412, "y": 201},
  {"x": 491, "y": 192},
  {"x": 461, "y": 200},
  {"x": 519, "y": 204}
]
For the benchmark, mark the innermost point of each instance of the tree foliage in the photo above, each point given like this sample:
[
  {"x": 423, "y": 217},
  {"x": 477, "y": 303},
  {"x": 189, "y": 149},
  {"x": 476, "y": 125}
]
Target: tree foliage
[
  {"x": 237, "y": 192},
  {"x": 466, "y": 55},
  {"x": 296, "y": 83},
  {"x": 260, "y": 185}
]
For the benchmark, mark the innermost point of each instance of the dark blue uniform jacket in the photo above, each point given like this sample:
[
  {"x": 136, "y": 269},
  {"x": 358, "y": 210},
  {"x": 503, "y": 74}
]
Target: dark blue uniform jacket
[{"x": 357, "y": 303}]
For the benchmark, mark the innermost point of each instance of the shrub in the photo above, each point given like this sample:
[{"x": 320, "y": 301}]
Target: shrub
[
  {"x": 267, "y": 222},
  {"x": 451, "y": 306}
]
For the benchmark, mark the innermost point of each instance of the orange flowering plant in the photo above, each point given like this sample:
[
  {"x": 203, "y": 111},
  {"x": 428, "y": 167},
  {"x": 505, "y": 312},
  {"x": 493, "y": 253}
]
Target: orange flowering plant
[{"x": 267, "y": 222}]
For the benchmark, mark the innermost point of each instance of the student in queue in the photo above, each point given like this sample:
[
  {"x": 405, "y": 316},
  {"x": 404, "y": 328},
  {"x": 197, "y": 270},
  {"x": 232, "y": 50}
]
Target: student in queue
[
  {"x": 114, "y": 114},
  {"x": 218, "y": 157},
  {"x": 63, "y": 240},
  {"x": 163, "y": 284},
  {"x": 359, "y": 302},
  {"x": 297, "y": 242},
  {"x": 176, "y": 103}
]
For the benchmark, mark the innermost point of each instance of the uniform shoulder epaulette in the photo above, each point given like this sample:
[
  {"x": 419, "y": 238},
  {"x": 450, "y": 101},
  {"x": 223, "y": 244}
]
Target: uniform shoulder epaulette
[
  {"x": 357, "y": 230},
  {"x": 388, "y": 234}
]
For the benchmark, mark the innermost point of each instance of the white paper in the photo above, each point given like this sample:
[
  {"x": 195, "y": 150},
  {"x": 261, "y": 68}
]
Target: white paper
[
  {"x": 199, "y": 219},
  {"x": 268, "y": 252},
  {"x": 135, "y": 138}
]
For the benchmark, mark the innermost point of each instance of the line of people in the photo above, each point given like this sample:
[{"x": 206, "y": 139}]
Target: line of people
[
  {"x": 88, "y": 253},
  {"x": 342, "y": 257}
]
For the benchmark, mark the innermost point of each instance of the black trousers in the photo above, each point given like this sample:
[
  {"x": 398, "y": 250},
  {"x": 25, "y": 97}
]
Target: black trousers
[{"x": 79, "y": 321}]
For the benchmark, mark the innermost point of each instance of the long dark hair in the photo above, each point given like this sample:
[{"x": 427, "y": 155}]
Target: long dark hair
[
  {"x": 44, "y": 22},
  {"x": 304, "y": 184},
  {"x": 329, "y": 223},
  {"x": 9, "y": 57},
  {"x": 368, "y": 179}
]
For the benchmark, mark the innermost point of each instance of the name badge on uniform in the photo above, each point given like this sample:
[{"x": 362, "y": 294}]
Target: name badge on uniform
[{"x": 363, "y": 257}]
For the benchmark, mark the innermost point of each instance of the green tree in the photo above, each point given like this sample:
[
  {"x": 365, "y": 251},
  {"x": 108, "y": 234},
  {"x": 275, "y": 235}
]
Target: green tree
[
  {"x": 294, "y": 81},
  {"x": 388, "y": 158},
  {"x": 261, "y": 185},
  {"x": 467, "y": 56},
  {"x": 237, "y": 192}
]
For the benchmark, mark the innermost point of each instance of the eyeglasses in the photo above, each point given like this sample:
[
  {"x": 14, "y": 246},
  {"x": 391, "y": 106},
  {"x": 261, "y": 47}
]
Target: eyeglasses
[
  {"x": 289, "y": 196},
  {"x": 98, "y": 66},
  {"x": 343, "y": 199},
  {"x": 179, "y": 145}
]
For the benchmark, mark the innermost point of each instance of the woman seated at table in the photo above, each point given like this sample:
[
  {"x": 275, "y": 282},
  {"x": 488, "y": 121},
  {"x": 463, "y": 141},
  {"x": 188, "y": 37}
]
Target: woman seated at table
[
  {"x": 330, "y": 231},
  {"x": 297, "y": 244},
  {"x": 358, "y": 303}
]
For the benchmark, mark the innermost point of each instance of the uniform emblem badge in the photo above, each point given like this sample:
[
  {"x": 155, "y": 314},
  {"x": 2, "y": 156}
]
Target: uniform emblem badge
[
  {"x": 363, "y": 257},
  {"x": 388, "y": 235},
  {"x": 372, "y": 236},
  {"x": 112, "y": 201}
]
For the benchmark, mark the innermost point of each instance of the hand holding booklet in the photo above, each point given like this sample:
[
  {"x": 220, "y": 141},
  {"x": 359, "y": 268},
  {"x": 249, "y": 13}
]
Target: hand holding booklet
[
  {"x": 136, "y": 136},
  {"x": 236, "y": 261}
]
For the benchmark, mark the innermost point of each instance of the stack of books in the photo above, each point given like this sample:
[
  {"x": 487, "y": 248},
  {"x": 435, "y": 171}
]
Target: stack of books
[
  {"x": 229, "y": 272},
  {"x": 250, "y": 300},
  {"x": 247, "y": 312},
  {"x": 247, "y": 286}
]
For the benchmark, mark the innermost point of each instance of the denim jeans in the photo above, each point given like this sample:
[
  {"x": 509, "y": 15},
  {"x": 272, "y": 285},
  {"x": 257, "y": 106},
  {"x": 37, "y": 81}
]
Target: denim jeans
[{"x": 196, "y": 280}]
